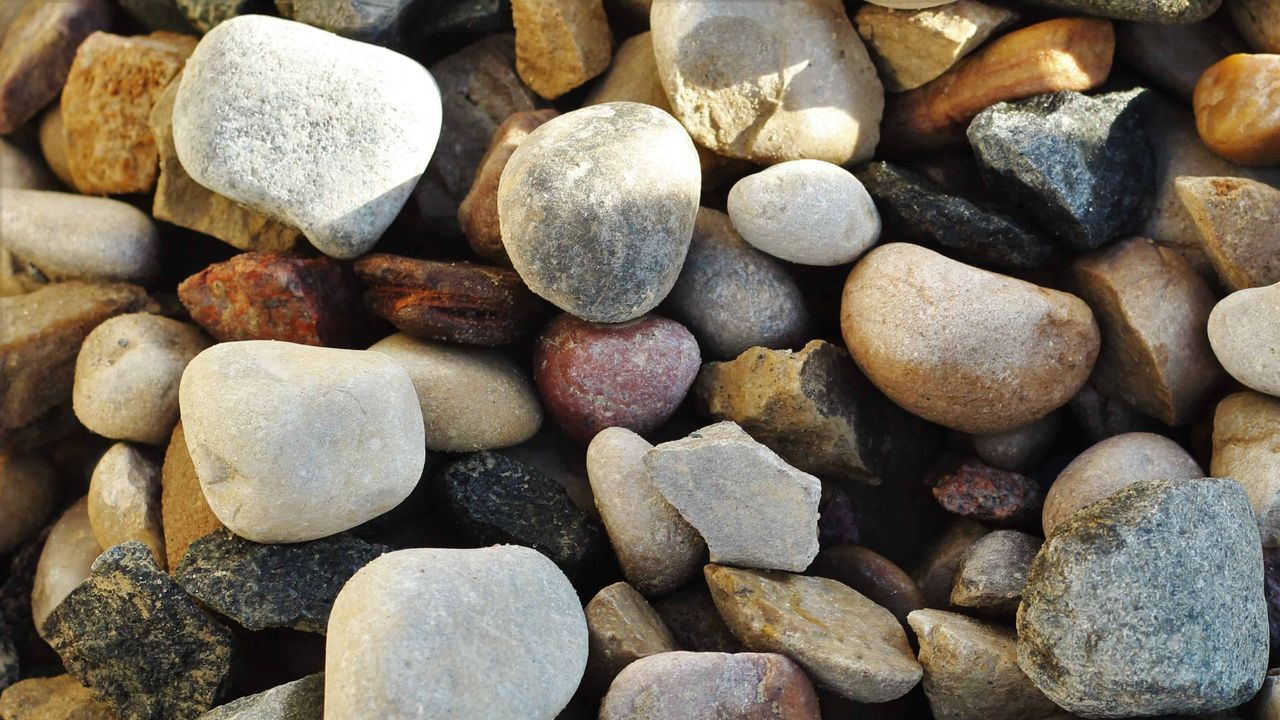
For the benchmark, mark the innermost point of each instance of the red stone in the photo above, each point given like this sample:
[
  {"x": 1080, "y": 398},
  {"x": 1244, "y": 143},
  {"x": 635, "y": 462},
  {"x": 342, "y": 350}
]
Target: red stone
[{"x": 973, "y": 490}]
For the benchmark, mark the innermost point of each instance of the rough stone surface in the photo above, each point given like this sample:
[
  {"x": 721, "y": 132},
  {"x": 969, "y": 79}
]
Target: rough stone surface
[
  {"x": 913, "y": 47},
  {"x": 751, "y": 507},
  {"x": 691, "y": 616},
  {"x": 845, "y": 641},
  {"x": 60, "y": 697},
  {"x": 935, "y": 575},
  {"x": 142, "y": 645},
  {"x": 1235, "y": 219},
  {"x": 624, "y": 216},
  {"x": 1246, "y": 431},
  {"x": 36, "y": 53},
  {"x": 184, "y": 511},
  {"x": 267, "y": 586},
  {"x": 993, "y": 571},
  {"x": 65, "y": 561},
  {"x": 871, "y": 574},
  {"x": 269, "y": 423},
  {"x": 658, "y": 550},
  {"x": 124, "y": 500},
  {"x": 1175, "y": 56},
  {"x": 1245, "y": 337},
  {"x": 1234, "y": 103},
  {"x": 622, "y": 627},
  {"x": 1149, "y": 602},
  {"x": 298, "y": 700},
  {"x": 973, "y": 490},
  {"x": 28, "y": 491},
  {"x": 972, "y": 365},
  {"x": 253, "y": 124},
  {"x": 429, "y": 620},
  {"x": 1020, "y": 448},
  {"x": 374, "y": 21},
  {"x": 560, "y": 44}
]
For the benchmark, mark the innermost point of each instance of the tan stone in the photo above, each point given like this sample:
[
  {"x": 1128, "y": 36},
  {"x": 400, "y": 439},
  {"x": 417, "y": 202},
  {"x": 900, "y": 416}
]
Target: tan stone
[
  {"x": 61, "y": 697},
  {"x": 993, "y": 571},
  {"x": 124, "y": 500},
  {"x": 1237, "y": 105},
  {"x": 936, "y": 573},
  {"x": 28, "y": 490},
  {"x": 560, "y": 44},
  {"x": 871, "y": 574},
  {"x": 1061, "y": 54},
  {"x": 53, "y": 143},
  {"x": 1153, "y": 309},
  {"x": 113, "y": 84},
  {"x": 1246, "y": 433},
  {"x": 1258, "y": 22},
  {"x": 65, "y": 561},
  {"x": 36, "y": 53},
  {"x": 1238, "y": 221},
  {"x": 621, "y": 628},
  {"x": 912, "y": 47},
  {"x": 185, "y": 514},
  {"x": 1245, "y": 337}
]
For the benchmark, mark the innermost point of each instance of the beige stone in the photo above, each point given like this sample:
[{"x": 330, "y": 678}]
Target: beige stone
[
  {"x": 124, "y": 500},
  {"x": 1244, "y": 330},
  {"x": 28, "y": 491},
  {"x": 560, "y": 44},
  {"x": 993, "y": 571},
  {"x": 65, "y": 561},
  {"x": 622, "y": 627},
  {"x": 1235, "y": 104},
  {"x": 912, "y": 47},
  {"x": 53, "y": 143},
  {"x": 60, "y": 697},
  {"x": 1238, "y": 223},
  {"x": 935, "y": 575},
  {"x": 1258, "y": 22},
  {"x": 1246, "y": 433},
  {"x": 185, "y": 513}
]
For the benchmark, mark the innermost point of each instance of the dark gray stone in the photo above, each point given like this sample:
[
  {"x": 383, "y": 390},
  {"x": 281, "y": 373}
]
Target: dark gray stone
[
  {"x": 267, "y": 586},
  {"x": 1149, "y": 602},
  {"x": 206, "y": 14},
  {"x": 1162, "y": 11},
  {"x": 436, "y": 17},
  {"x": 158, "y": 15},
  {"x": 141, "y": 644},
  {"x": 8, "y": 657},
  {"x": 915, "y": 209},
  {"x": 993, "y": 572},
  {"x": 495, "y": 500},
  {"x": 1080, "y": 167},
  {"x": 299, "y": 700}
]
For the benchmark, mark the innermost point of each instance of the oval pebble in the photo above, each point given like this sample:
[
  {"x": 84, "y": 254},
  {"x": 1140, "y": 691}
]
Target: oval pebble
[
  {"x": 72, "y": 236},
  {"x": 1244, "y": 331}
]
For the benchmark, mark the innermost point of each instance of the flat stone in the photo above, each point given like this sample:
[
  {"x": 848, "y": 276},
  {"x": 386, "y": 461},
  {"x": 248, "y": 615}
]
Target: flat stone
[
  {"x": 658, "y": 550},
  {"x": 1233, "y": 117},
  {"x": 251, "y": 122},
  {"x": 622, "y": 627},
  {"x": 871, "y": 574},
  {"x": 269, "y": 423},
  {"x": 298, "y": 700},
  {"x": 65, "y": 562},
  {"x": 1246, "y": 339},
  {"x": 124, "y": 500},
  {"x": 413, "y": 635},
  {"x": 36, "y": 53},
  {"x": 53, "y": 145},
  {"x": 1246, "y": 427},
  {"x": 734, "y": 297},
  {"x": 949, "y": 356},
  {"x": 106, "y": 107},
  {"x": 1111, "y": 465},
  {"x": 23, "y": 170},
  {"x": 127, "y": 374},
  {"x": 1235, "y": 219},
  {"x": 744, "y": 107},
  {"x": 690, "y": 686},
  {"x": 912, "y": 47},
  {"x": 69, "y": 236},
  {"x": 915, "y": 208},
  {"x": 270, "y": 586},
  {"x": 28, "y": 492},
  {"x": 138, "y": 642},
  {"x": 1102, "y": 626},
  {"x": 626, "y": 216},
  {"x": 375, "y": 21},
  {"x": 935, "y": 575},
  {"x": 993, "y": 571},
  {"x": 845, "y": 641},
  {"x": 560, "y": 44},
  {"x": 1175, "y": 56},
  {"x": 971, "y": 670},
  {"x": 1078, "y": 165},
  {"x": 60, "y": 697},
  {"x": 207, "y": 14},
  {"x": 1255, "y": 19},
  {"x": 973, "y": 490},
  {"x": 751, "y": 507},
  {"x": 1020, "y": 448},
  {"x": 1163, "y": 11},
  {"x": 184, "y": 512},
  {"x": 691, "y": 616}
]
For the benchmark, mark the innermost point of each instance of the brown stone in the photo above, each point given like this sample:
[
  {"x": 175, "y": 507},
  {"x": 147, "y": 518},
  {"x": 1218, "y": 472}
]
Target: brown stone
[
  {"x": 912, "y": 47},
  {"x": 1235, "y": 103},
  {"x": 871, "y": 574},
  {"x": 53, "y": 143},
  {"x": 691, "y": 616},
  {"x": 1061, "y": 54},
  {"x": 1238, "y": 221},
  {"x": 106, "y": 105},
  {"x": 621, "y": 628},
  {"x": 1175, "y": 56},
  {"x": 28, "y": 491},
  {"x": 974, "y": 490},
  {"x": 560, "y": 44},
  {"x": 65, "y": 561},
  {"x": 993, "y": 571},
  {"x": 1246, "y": 433},
  {"x": 36, "y": 53},
  {"x": 1258, "y": 22},
  {"x": 1153, "y": 309},
  {"x": 185, "y": 514},
  {"x": 60, "y": 697},
  {"x": 936, "y": 573}
]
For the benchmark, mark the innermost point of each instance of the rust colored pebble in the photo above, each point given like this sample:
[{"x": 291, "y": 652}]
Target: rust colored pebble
[
  {"x": 633, "y": 375},
  {"x": 266, "y": 296},
  {"x": 455, "y": 301},
  {"x": 973, "y": 490}
]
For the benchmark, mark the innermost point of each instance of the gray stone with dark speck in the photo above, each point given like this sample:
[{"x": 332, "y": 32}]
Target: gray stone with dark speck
[
  {"x": 1163, "y": 11},
  {"x": 299, "y": 700}
]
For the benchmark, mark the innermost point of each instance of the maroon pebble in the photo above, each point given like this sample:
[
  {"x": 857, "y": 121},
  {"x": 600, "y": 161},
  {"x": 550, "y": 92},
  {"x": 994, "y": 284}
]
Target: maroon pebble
[{"x": 973, "y": 490}]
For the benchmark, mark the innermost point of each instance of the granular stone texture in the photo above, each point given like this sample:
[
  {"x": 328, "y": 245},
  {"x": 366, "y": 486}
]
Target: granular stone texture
[
  {"x": 298, "y": 700},
  {"x": 971, "y": 489},
  {"x": 696, "y": 685}
]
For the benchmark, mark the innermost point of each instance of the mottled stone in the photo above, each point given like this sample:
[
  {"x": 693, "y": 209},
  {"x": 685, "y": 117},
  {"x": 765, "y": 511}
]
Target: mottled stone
[
  {"x": 1020, "y": 448},
  {"x": 845, "y": 641},
  {"x": 692, "y": 686},
  {"x": 973, "y": 490},
  {"x": 871, "y": 574},
  {"x": 993, "y": 571},
  {"x": 38, "y": 46},
  {"x": 124, "y": 500},
  {"x": 1103, "y": 625},
  {"x": 560, "y": 44},
  {"x": 1235, "y": 102},
  {"x": 69, "y": 236},
  {"x": 1246, "y": 432},
  {"x": 912, "y": 47},
  {"x": 691, "y": 616},
  {"x": 60, "y": 697},
  {"x": 65, "y": 562},
  {"x": 1245, "y": 337},
  {"x": 207, "y": 14},
  {"x": 1175, "y": 56},
  {"x": 1235, "y": 219},
  {"x": 375, "y": 21},
  {"x": 184, "y": 511},
  {"x": 298, "y": 700},
  {"x": 28, "y": 491},
  {"x": 621, "y": 628},
  {"x": 935, "y": 575}
]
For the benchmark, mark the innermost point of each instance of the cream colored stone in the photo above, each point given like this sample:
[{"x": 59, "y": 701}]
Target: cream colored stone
[
  {"x": 560, "y": 44},
  {"x": 124, "y": 500},
  {"x": 912, "y": 47},
  {"x": 1244, "y": 330},
  {"x": 65, "y": 561}
]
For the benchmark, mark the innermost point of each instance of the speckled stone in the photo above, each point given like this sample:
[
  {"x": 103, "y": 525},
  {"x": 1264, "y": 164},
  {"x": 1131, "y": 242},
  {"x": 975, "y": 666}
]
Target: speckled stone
[
  {"x": 124, "y": 500},
  {"x": 65, "y": 562},
  {"x": 1164, "y": 11},
  {"x": 68, "y": 236},
  {"x": 871, "y": 574},
  {"x": 1246, "y": 432},
  {"x": 28, "y": 491},
  {"x": 38, "y": 46},
  {"x": 298, "y": 700},
  {"x": 622, "y": 627},
  {"x": 993, "y": 571},
  {"x": 935, "y": 575},
  {"x": 973, "y": 490},
  {"x": 60, "y": 697},
  {"x": 184, "y": 510},
  {"x": 1245, "y": 337}
]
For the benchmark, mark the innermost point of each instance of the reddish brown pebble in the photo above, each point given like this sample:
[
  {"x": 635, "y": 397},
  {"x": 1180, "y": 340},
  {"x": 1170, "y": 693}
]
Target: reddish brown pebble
[
  {"x": 455, "y": 301},
  {"x": 265, "y": 296},
  {"x": 973, "y": 490},
  {"x": 871, "y": 574},
  {"x": 634, "y": 375}
]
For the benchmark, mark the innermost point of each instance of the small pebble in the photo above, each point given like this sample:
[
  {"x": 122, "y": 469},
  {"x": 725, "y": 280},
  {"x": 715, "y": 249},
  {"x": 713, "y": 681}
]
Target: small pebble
[
  {"x": 1245, "y": 335},
  {"x": 935, "y": 574},
  {"x": 298, "y": 700},
  {"x": 691, "y": 616},
  {"x": 65, "y": 562},
  {"x": 184, "y": 511},
  {"x": 1246, "y": 432},
  {"x": 560, "y": 44},
  {"x": 60, "y": 697},
  {"x": 1235, "y": 109},
  {"x": 973, "y": 490},
  {"x": 993, "y": 571},
  {"x": 913, "y": 47},
  {"x": 1019, "y": 449},
  {"x": 71, "y": 236},
  {"x": 124, "y": 500},
  {"x": 28, "y": 492},
  {"x": 380, "y": 22},
  {"x": 35, "y": 62},
  {"x": 872, "y": 575},
  {"x": 1235, "y": 219},
  {"x": 622, "y": 628}
]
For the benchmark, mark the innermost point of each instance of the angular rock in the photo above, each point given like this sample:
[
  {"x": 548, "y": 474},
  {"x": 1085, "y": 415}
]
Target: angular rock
[
  {"x": 1018, "y": 449},
  {"x": 560, "y": 44},
  {"x": 935, "y": 575},
  {"x": 1175, "y": 56},
  {"x": 1234, "y": 107},
  {"x": 36, "y": 53},
  {"x": 845, "y": 641},
  {"x": 973, "y": 490},
  {"x": 993, "y": 572},
  {"x": 124, "y": 500},
  {"x": 872, "y": 575},
  {"x": 626, "y": 217},
  {"x": 374, "y": 21},
  {"x": 28, "y": 491},
  {"x": 138, "y": 642},
  {"x": 298, "y": 700},
  {"x": 691, "y": 616},
  {"x": 913, "y": 47},
  {"x": 1079, "y": 166},
  {"x": 621, "y": 628},
  {"x": 270, "y": 423},
  {"x": 184, "y": 511},
  {"x": 1235, "y": 219},
  {"x": 428, "y": 619},
  {"x": 1256, "y": 21},
  {"x": 60, "y": 697},
  {"x": 270, "y": 586},
  {"x": 249, "y": 124},
  {"x": 751, "y": 507},
  {"x": 1102, "y": 626},
  {"x": 1246, "y": 338},
  {"x": 1246, "y": 427},
  {"x": 65, "y": 562},
  {"x": 68, "y": 236}
]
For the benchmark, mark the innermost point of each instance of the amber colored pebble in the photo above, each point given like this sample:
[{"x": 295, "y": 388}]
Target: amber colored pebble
[
  {"x": 981, "y": 492},
  {"x": 1237, "y": 104}
]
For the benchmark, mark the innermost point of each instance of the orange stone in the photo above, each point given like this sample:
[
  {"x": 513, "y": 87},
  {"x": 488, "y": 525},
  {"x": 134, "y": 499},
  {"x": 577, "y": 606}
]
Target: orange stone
[
  {"x": 1237, "y": 104},
  {"x": 185, "y": 514}
]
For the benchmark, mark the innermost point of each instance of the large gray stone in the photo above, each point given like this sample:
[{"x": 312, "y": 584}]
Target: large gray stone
[
  {"x": 298, "y": 700},
  {"x": 71, "y": 236}
]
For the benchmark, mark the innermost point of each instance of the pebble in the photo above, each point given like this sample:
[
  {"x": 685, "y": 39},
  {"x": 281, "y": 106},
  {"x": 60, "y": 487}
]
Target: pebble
[
  {"x": 1018, "y": 449},
  {"x": 39, "y": 45},
  {"x": 106, "y": 106},
  {"x": 1162, "y": 11},
  {"x": 1256, "y": 22},
  {"x": 625, "y": 212},
  {"x": 138, "y": 642},
  {"x": 734, "y": 297},
  {"x": 633, "y": 375},
  {"x": 1060, "y": 54},
  {"x": 1023, "y": 361},
  {"x": 158, "y": 15},
  {"x": 1111, "y": 465},
  {"x": 1175, "y": 56},
  {"x": 560, "y": 44},
  {"x": 1102, "y": 626},
  {"x": 1234, "y": 108},
  {"x": 691, "y": 616},
  {"x": 23, "y": 170},
  {"x": 381, "y": 22},
  {"x": 845, "y": 641},
  {"x": 871, "y": 574},
  {"x": 270, "y": 423},
  {"x": 298, "y": 700},
  {"x": 124, "y": 500},
  {"x": 973, "y": 490},
  {"x": 658, "y": 550},
  {"x": 28, "y": 492},
  {"x": 971, "y": 670},
  {"x": 697, "y": 685},
  {"x": 732, "y": 72},
  {"x": 494, "y": 499},
  {"x": 935, "y": 575},
  {"x": 271, "y": 586},
  {"x": 413, "y": 635},
  {"x": 1234, "y": 219},
  {"x": 65, "y": 561},
  {"x": 1079, "y": 166},
  {"x": 1152, "y": 307},
  {"x": 1245, "y": 337},
  {"x": 369, "y": 116},
  {"x": 471, "y": 398},
  {"x": 913, "y": 47},
  {"x": 622, "y": 627},
  {"x": 993, "y": 572},
  {"x": 60, "y": 697},
  {"x": 184, "y": 511},
  {"x": 752, "y": 508},
  {"x": 1246, "y": 427},
  {"x": 70, "y": 236},
  {"x": 127, "y": 374},
  {"x": 267, "y": 296}
]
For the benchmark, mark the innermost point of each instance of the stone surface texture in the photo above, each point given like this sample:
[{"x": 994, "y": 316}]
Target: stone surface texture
[
  {"x": 1246, "y": 428},
  {"x": 124, "y": 500},
  {"x": 298, "y": 700},
  {"x": 912, "y": 47},
  {"x": 1234, "y": 101},
  {"x": 560, "y": 44},
  {"x": 184, "y": 511},
  {"x": 622, "y": 627},
  {"x": 36, "y": 52},
  {"x": 65, "y": 561},
  {"x": 1235, "y": 220},
  {"x": 993, "y": 572},
  {"x": 68, "y": 236},
  {"x": 60, "y": 697}
]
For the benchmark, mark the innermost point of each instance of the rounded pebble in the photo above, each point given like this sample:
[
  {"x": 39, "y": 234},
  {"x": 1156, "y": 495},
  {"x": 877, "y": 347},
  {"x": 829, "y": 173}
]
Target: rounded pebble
[
  {"x": 28, "y": 490},
  {"x": 124, "y": 500},
  {"x": 1244, "y": 331},
  {"x": 72, "y": 236}
]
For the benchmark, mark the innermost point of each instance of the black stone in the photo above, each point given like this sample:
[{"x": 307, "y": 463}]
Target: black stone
[
  {"x": 914, "y": 208},
  {"x": 298, "y": 700},
  {"x": 269, "y": 586},
  {"x": 438, "y": 17},
  {"x": 495, "y": 499},
  {"x": 8, "y": 657},
  {"x": 159, "y": 15},
  {"x": 1080, "y": 167},
  {"x": 141, "y": 644}
]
